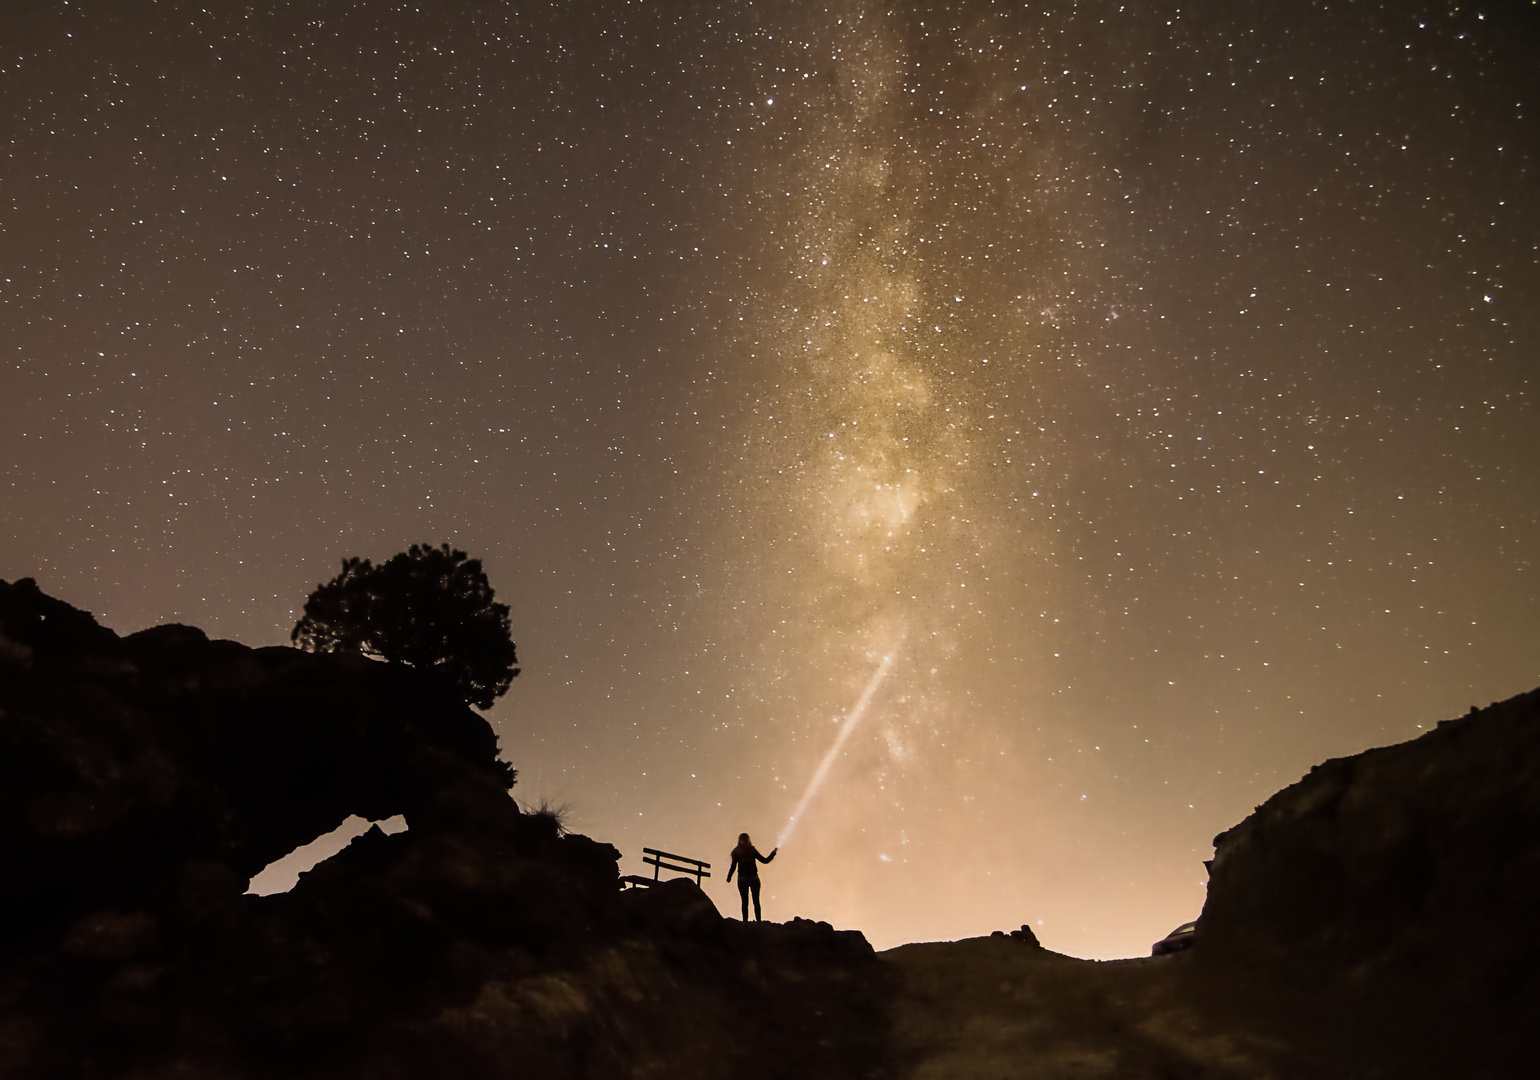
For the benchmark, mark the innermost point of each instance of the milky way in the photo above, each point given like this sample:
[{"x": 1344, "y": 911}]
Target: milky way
[{"x": 1147, "y": 390}]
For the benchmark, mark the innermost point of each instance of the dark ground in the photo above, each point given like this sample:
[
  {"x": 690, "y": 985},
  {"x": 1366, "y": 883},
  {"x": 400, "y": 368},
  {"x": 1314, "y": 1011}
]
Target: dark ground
[{"x": 1377, "y": 919}]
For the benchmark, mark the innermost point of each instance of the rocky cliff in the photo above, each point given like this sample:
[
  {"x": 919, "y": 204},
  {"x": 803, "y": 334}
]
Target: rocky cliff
[
  {"x": 1411, "y": 862},
  {"x": 1398, "y": 886},
  {"x": 145, "y": 779},
  {"x": 1375, "y": 919}
]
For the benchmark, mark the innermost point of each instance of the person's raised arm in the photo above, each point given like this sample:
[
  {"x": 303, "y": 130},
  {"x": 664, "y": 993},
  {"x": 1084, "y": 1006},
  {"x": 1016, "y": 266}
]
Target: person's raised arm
[{"x": 767, "y": 858}]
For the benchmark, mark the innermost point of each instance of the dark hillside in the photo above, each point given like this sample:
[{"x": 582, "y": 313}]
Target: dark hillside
[
  {"x": 144, "y": 780},
  {"x": 1376, "y": 919},
  {"x": 1400, "y": 887}
]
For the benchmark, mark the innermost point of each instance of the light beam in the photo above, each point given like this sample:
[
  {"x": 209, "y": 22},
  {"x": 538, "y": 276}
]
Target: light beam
[{"x": 851, "y": 723}]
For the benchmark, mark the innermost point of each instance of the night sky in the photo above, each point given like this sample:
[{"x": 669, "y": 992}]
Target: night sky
[{"x": 1150, "y": 388}]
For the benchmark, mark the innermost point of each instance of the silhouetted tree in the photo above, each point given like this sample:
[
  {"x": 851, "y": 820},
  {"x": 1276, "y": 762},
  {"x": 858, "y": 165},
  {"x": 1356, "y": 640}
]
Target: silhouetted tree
[{"x": 428, "y": 607}]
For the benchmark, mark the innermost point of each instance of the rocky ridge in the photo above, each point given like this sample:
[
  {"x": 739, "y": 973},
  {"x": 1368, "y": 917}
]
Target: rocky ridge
[
  {"x": 145, "y": 779},
  {"x": 1373, "y": 920}
]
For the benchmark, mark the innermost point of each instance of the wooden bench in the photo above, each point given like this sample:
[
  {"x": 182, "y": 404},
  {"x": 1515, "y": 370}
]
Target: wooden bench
[{"x": 656, "y": 861}]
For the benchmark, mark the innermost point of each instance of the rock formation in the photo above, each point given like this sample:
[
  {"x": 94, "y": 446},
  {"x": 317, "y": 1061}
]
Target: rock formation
[
  {"x": 1382, "y": 862},
  {"x": 144, "y": 780},
  {"x": 1375, "y": 919},
  {"x": 1398, "y": 886}
]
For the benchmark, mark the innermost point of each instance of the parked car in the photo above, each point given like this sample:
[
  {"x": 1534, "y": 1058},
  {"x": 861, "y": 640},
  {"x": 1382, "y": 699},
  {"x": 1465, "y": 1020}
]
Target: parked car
[{"x": 1176, "y": 941}]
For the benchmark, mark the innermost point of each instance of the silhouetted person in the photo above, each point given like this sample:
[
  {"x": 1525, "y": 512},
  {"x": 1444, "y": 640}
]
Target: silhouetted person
[{"x": 746, "y": 858}]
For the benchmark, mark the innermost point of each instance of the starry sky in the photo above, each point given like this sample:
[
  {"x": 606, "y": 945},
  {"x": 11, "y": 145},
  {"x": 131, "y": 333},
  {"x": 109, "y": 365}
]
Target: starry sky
[{"x": 1131, "y": 404}]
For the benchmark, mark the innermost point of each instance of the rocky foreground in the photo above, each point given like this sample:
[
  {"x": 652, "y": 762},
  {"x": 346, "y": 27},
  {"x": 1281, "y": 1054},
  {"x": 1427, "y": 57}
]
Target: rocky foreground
[{"x": 1376, "y": 919}]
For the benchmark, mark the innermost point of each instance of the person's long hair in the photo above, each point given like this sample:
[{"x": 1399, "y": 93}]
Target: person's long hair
[{"x": 745, "y": 849}]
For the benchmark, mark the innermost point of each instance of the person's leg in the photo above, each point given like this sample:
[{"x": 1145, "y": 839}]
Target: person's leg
[
  {"x": 755, "y": 887},
  {"x": 743, "y": 894}
]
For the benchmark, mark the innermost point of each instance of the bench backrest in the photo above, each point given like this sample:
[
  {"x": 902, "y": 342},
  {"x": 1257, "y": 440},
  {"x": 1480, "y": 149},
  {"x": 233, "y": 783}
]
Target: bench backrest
[{"x": 656, "y": 859}]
